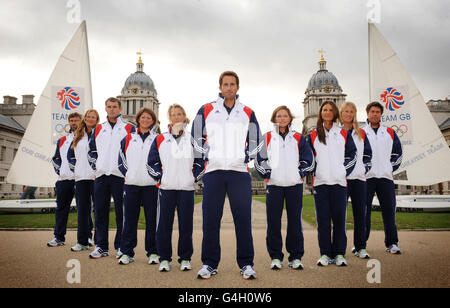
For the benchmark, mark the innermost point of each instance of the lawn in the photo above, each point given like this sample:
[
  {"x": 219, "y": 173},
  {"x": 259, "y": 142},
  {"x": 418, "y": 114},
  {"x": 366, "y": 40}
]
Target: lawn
[
  {"x": 404, "y": 220},
  {"x": 48, "y": 220}
]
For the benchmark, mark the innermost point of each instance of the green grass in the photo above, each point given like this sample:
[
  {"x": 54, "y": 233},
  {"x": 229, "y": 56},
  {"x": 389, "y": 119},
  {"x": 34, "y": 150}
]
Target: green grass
[
  {"x": 48, "y": 220},
  {"x": 404, "y": 220}
]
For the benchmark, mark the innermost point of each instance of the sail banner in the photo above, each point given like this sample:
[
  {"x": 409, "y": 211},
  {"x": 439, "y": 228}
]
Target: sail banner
[
  {"x": 65, "y": 100},
  {"x": 397, "y": 111},
  {"x": 68, "y": 90},
  {"x": 425, "y": 151}
]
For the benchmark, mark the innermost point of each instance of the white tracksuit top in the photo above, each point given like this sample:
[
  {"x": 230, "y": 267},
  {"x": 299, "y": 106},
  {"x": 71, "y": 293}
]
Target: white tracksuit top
[
  {"x": 172, "y": 161},
  {"x": 78, "y": 160},
  {"x": 386, "y": 152},
  {"x": 363, "y": 156},
  {"x": 227, "y": 141},
  {"x": 133, "y": 157},
  {"x": 59, "y": 160},
  {"x": 104, "y": 147},
  {"x": 290, "y": 159},
  {"x": 335, "y": 159}
]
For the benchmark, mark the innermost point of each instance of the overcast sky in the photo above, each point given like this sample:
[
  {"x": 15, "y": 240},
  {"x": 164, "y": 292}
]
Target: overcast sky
[{"x": 271, "y": 44}]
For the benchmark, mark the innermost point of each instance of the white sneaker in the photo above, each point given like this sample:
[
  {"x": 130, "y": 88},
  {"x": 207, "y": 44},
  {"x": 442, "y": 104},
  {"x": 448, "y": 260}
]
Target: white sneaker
[
  {"x": 362, "y": 254},
  {"x": 393, "y": 249},
  {"x": 206, "y": 272},
  {"x": 296, "y": 264},
  {"x": 164, "y": 266},
  {"x": 55, "y": 243},
  {"x": 153, "y": 259},
  {"x": 340, "y": 261},
  {"x": 353, "y": 249},
  {"x": 248, "y": 272},
  {"x": 276, "y": 264},
  {"x": 119, "y": 254},
  {"x": 98, "y": 253},
  {"x": 90, "y": 242},
  {"x": 125, "y": 260},
  {"x": 185, "y": 265},
  {"x": 79, "y": 247},
  {"x": 324, "y": 261}
]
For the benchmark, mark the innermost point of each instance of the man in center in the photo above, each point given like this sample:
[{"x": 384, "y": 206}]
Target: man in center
[{"x": 227, "y": 136}]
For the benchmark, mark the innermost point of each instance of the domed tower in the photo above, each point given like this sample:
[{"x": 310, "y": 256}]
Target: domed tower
[
  {"x": 138, "y": 91},
  {"x": 322, "y": 86}
]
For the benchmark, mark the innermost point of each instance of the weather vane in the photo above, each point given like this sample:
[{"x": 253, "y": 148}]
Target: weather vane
[
  {"x": 321, "y": 51},
  {"x": 139, "y": 53}
]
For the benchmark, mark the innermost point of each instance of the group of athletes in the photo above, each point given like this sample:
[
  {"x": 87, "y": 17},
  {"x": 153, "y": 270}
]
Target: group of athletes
[{"x": 139, "y": 167}]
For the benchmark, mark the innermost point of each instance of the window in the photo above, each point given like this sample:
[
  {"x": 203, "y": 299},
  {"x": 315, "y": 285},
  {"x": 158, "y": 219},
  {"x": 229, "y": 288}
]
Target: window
[
  {"x": 2, "y": 153},
  {"x": 134, "y": 106},
  {"x": 142, "y": 103},
  {"x": 128, "y": 107}
]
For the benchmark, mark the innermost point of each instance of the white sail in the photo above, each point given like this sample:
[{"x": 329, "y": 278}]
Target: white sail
[
  {"x": 68, "y": 90},
  {"x": 426, "y": 155}
]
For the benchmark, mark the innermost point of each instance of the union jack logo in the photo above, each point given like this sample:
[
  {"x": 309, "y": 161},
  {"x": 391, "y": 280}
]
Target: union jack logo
[
  {"x": 68, "y": 98},
  {"x": 392, "y": 98}
]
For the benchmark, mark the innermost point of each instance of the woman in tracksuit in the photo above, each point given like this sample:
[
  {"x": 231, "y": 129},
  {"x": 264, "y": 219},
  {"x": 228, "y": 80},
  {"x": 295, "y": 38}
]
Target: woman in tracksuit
[
  {"x": 356, "y": 181},
  {"x": 140, "y": 188},
  {"x": 171, "y": 161},
  {"x": 84, "y": 178},
  {"x": 335, "y": 154},
  {"x": 290, "y": 160}
]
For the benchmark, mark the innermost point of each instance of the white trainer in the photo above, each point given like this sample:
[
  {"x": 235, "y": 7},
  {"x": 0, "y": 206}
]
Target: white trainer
[
  {"x": 362, "y": 254},
  {"x": 79, "y": 247},
  {"x": 340, "y": 260},
  {"x": 324, "y": 261},
  {"x": 206, "y": 272},
  {"x": 98, "y": 253},
  {"x": 296, "y": 264},
  {"x": 55, "y": 243},
  {"x": 119, "y": 254},
  {"x": 153, "y": 259},
  {"x": 90, "y": 242},
  {"x": 125, "y": 260},
  {"x": 393, "y": 249},
  {"x": 164, "y": 266},
  {"x": 248, "y": 272},
  {"x": 276, "y": 264},
  {"x": 185, "y": 265}
]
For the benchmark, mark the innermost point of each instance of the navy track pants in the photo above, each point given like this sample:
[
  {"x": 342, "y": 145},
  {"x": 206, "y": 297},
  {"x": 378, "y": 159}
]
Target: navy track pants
[
  {"x": 357, "y": 191},
  {"x": 104, "y": 187},
  {"x": 133, "y": 198},
  {"x": 84, "y": 191},
  {"x": 65, "y": 191},
  {"x": 217, "y": 185},
  {"x": 183, "y": 202},
  {"x": 331, "y": 205},
  {"x": 275, "y": 200},
  {"x": 385, "y": 190}
]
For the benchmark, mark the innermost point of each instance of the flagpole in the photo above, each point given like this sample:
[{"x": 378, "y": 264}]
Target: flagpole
[{"x": 370, "y": 75}]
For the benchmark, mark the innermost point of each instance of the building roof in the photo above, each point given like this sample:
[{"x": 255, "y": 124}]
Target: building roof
[
  {"x": 445, "y": 125},
  {"x": 11, "y": 123},
  {"x": 140, "y": 79}
]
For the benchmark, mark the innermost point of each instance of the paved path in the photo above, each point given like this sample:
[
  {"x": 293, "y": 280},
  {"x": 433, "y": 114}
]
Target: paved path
[{"x": 25, "y": 261}]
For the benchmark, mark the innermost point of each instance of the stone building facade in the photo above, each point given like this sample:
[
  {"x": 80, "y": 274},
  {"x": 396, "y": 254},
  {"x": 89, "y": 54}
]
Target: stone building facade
[
  {"x": 14, "y": 119},
  {"x": 138, "y": 91}
]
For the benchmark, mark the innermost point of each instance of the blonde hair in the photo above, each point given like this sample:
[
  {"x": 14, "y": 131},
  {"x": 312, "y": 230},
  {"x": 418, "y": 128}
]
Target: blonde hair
[
  {"x": 355, "y": 122},
  {"x": 79, "y": 133},
  {"x": 173, "y": 106}
]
